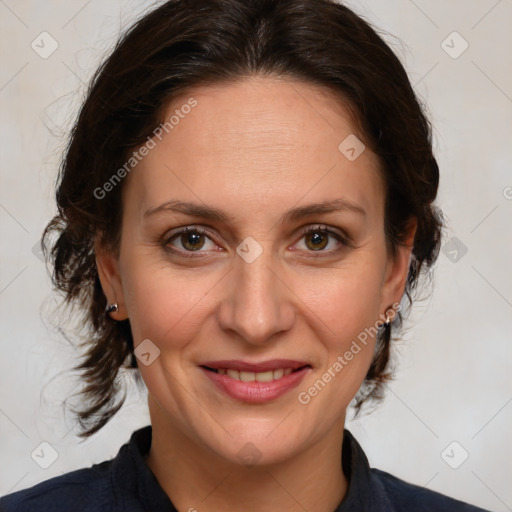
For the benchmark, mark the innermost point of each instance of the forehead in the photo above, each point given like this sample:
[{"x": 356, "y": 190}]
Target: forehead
[
  {"x": 256, "y": 112},
  {"x": 258, "y": 143}
]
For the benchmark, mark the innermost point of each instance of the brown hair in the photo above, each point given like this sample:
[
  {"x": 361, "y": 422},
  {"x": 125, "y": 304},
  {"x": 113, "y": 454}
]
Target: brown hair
[{"x": 184, "y": 43}]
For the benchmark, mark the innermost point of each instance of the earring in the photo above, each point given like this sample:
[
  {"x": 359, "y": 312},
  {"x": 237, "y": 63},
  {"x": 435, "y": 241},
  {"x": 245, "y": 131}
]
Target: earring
[
  {"x": 388, "y": 321},
  {"x": 111, "y": 308}
]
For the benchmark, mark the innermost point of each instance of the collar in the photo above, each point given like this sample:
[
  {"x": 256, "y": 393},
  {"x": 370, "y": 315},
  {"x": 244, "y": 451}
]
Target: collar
[
  {"x": 364, "y": 492},
  {"x": 133, "y": 480}
]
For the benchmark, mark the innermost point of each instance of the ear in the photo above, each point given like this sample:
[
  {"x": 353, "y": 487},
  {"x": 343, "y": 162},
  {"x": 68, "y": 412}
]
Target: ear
[
  {"x": 108, "y": 271},
  {"x": 397, "y": 269}
]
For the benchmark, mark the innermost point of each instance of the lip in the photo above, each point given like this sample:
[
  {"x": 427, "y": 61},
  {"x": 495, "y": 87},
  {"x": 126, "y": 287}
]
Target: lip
[
  {"x": 246, "y": 366},
  {"x": 256, "y": 392}
]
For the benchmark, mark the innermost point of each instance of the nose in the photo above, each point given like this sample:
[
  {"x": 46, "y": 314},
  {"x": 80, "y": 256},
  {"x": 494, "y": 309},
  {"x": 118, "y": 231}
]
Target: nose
[{"x": 258, "y": 303}]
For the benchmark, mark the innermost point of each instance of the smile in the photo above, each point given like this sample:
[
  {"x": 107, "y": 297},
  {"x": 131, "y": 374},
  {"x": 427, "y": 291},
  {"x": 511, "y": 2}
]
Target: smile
[{"x": 255, "y": 387}]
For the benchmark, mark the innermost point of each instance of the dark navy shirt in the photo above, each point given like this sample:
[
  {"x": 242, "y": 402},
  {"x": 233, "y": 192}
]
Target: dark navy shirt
[{"x": 127, "y": 484}]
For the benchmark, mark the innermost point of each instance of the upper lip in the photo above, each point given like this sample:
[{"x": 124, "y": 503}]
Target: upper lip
[{"x": 263, "y": 366}]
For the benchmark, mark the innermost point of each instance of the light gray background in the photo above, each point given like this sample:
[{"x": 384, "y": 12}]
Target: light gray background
[{"x": 453, "y": 381}]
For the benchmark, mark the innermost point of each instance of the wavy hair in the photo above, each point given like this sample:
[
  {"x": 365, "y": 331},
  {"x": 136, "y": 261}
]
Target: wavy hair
[{"x": 185, "y": 43}]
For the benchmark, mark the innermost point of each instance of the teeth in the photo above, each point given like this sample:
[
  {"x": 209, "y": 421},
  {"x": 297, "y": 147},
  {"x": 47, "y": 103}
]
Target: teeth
[
  {"x": 278, "y": 373},
  {"x": 253, "y": 376},
  {"x": 233, "y": 374}
]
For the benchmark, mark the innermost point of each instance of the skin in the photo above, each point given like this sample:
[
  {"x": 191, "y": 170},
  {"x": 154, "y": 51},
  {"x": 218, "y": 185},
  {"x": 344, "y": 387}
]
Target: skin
[{"x": 254, "y": 148}]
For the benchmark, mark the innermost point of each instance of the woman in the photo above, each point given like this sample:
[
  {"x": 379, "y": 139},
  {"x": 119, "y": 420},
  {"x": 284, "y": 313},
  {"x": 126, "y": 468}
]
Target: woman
[{"x": 246, "y": 198}]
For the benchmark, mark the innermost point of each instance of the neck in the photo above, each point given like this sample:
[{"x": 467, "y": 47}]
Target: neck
[{"x": 197, "y": 478}]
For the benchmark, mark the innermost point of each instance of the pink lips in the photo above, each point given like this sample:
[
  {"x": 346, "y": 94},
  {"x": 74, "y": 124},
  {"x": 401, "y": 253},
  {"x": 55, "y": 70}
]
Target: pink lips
[{"x": 256, "y": 392}]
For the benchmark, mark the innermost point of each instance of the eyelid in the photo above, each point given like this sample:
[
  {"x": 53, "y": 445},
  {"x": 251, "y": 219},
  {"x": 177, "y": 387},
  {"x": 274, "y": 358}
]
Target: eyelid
[{"x": 184, "y": 229}]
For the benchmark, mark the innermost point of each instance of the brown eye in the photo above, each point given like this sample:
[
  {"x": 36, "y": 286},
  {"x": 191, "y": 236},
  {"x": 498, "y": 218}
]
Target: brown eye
[
  {"x": 317, "y": 240},
  {"x": 192, "y": 240}
]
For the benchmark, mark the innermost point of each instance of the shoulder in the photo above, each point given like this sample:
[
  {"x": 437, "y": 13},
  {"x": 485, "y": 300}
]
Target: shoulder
[
  {"x": 404, "y": 496},
  {"x": 124, "y": 483},
  {"x": 87, "y": 490}
]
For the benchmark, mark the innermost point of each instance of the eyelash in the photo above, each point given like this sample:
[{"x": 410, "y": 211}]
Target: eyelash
[{"x": 320, "y": 228}]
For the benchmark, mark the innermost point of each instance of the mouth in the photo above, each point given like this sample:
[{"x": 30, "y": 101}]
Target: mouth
[{"x": 269, "y": 381}]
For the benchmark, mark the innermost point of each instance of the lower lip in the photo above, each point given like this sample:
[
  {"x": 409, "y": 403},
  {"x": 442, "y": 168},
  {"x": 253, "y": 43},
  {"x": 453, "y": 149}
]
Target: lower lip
[{"x": 256, "y": 392}]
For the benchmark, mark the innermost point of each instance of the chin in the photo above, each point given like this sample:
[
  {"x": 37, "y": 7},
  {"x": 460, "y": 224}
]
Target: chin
[{"x": 252, "y": 446}]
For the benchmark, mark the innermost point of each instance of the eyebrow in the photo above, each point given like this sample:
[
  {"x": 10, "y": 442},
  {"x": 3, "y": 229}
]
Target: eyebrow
[{"x": 211, "y": 213}]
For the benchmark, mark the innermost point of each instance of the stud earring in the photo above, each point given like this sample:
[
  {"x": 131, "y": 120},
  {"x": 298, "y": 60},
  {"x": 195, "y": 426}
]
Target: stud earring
[{"x": 111, "y": 308}]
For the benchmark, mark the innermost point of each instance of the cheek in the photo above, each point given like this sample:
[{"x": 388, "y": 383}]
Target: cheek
[
  {"x": 162, "y": 301},
  {"x": 167, "y": 302},
  {"x": 345, "y": 299},
  {"x": 348, "y": 311},
  {"x": 347, "y": 305}
]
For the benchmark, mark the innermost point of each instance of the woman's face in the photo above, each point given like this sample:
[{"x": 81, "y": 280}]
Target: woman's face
[{"x": 254, "y": 287}]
